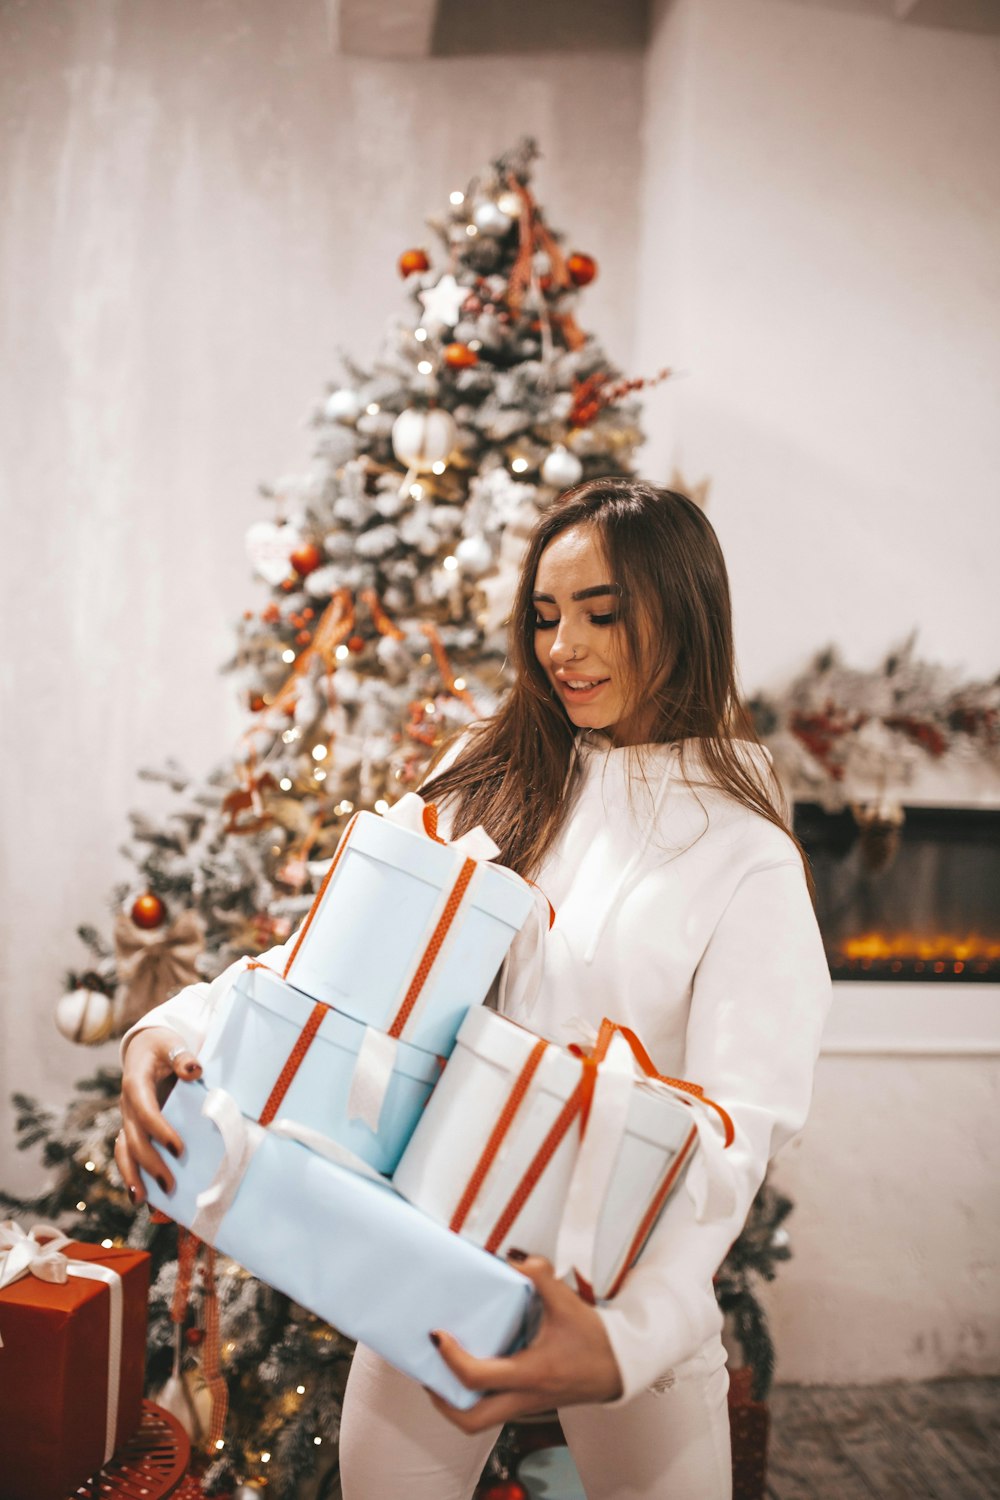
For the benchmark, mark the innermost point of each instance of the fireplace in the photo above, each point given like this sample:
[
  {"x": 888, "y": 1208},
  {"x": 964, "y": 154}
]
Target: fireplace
[{"x": 906, "y": 894}]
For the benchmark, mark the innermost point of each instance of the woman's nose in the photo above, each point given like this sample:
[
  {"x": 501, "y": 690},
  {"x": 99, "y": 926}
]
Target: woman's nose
[{"x": 563, "y": 649}]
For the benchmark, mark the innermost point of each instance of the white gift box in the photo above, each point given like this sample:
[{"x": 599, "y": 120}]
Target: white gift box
[
  {"x": 406, "y": 932},
  {"x": 497, "y": 1152},
  {"x": 254, "y": 1034},
  {"x": 349, "y": 1249}
]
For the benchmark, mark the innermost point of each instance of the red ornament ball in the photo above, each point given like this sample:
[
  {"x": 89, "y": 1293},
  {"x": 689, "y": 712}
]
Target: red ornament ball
[
  {"x": 460, "y": 356},
  {"x": 256, "y": 703},
  {"x": 306, "y": 558},
  {"x": 193, "y": 1337},
  {"x": 148, "y": 911},
  {"x": 472, "y": 305},
  {"x": 503, "y": 1489},
  {"x": 356, "y": 643},
  {"x": 303, "y": 638},
  {"x": 413, "y": 260},
  {"x": 581, "y": 268}
]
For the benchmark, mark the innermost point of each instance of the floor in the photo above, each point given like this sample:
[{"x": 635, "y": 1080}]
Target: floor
[{"x": 938, "y": 1440}]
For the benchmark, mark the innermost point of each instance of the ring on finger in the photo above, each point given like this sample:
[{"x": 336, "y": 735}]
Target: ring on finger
[{"x": 175, "y": 1052}]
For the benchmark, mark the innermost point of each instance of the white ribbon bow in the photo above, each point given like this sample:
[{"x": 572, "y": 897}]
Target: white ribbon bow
[
  {"x": 409, "y": 811},
  {"x": 39, "y": 1252}
]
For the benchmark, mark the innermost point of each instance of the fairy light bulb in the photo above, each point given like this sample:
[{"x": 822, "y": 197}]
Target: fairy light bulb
[
  {"x": 90, "y": 1166},
  {"x": 471, "y": 230},
  {"x": 300, "y": 1390},
  {"x": 373, "y": 408},
  {"x": 319, "y": 752},
  {"x": 319, "y": 775},
  {"x": 450, "y": 564},
  {"x": 519, "y": 465},
  {"x": 288, "y": 656},
  {"x": 342, "y": 653},
  {"x": 420, "y": 334},
  {"x": 285, "y": 783},
  {"x": 439, "y": 467},
  {"x": 382, "y": 806},
  {"x": 460, "y": 684},
  {"x": 81, "y": 1206},
  {"x": 456, "y": 198},
  {"x": 425, "y": 367}
]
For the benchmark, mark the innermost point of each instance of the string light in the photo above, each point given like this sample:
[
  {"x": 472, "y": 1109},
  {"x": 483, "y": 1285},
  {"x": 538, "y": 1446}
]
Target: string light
[
  {"x": 319, "y": 752},
  {"x": 342, "y": 653},
  {"x": 289, "y": 735},
  {"x": 438, "y": 467},
  {"x": 317, "y": 1441},
  {"x": 416, "y": 491},
  {"x": 300, "y": 1390},
  {"x": 90, "y": 1166},
  {"x": 456, "y": 198},
  {"x": 81, "y": 1206},
  {"x": 220, "y": 1443},
  {"x": 420, "y": 334},
  {"x": 382, "y": 806},
  {"x": 460, "y": 683},
  {"x": 319, "y": 775},
  {"x": 265, "y": 1457},
  {"x": 519, "y": 465},
  {"x": 107, "y": 1244},
  {"x": 475, "y": 343},
  {"x": 430, "y": 707},
  {"x": 425, "y": 660},
  {"x": 471, "y": 230},
  {"x": 288, "y": 656},
  {"x": 285, "y": 783},
  {"x": 450, "y": 564},
  {"x": 373, "y": 408},
  {"x": 425, "y": 367}
]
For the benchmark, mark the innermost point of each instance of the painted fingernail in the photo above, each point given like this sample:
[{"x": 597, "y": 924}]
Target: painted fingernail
[
  {"x": 517, "y": 1255},
  {"x": 173, "y": 1150},
  {"x": 163, "y": 1184},
  {"x": 435, "y": 1339},
  {"x": 132, "y": 1194}
]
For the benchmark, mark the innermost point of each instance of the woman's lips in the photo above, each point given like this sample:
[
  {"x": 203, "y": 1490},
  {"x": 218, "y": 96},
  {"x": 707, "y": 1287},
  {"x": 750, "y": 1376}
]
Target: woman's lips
[{"x": 582, "y": 695}]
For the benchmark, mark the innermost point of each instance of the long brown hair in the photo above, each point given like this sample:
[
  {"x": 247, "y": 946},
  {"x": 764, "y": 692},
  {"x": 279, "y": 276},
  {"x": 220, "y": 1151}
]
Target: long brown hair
[{"x": 677, "y": 621}]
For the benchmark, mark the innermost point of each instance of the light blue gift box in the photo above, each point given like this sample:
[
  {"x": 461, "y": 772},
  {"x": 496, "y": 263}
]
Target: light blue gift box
[
  {"x": 253, "y": 1034},
  {"x": 374, "y": 917},
  {"x": 349, "y": 1249}
]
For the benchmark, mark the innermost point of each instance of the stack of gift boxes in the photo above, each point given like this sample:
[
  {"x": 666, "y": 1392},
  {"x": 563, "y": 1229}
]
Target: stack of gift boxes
[{"x": 369, "y": 1139}]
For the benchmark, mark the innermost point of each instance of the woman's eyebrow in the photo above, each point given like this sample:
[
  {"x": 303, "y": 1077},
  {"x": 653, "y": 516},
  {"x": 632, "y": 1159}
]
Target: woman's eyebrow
[{"x": 594, "y": 593}]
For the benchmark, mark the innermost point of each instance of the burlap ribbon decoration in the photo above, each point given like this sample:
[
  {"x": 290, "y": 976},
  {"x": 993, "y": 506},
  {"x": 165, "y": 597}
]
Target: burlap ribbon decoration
[{"x": 153, "y": 964}]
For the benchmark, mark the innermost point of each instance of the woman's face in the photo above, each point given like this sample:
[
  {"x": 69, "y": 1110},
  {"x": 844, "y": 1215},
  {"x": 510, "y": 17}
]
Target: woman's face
[{"x": 579, "y": 639}]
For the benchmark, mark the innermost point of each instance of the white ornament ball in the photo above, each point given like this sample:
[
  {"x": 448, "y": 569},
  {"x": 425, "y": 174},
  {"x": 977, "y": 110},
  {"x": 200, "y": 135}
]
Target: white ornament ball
[
  {"x": 474, "y": 554},
  {"x": 421, "y": 439},
  {"x": 489, "y": 218},
  {"x": 343, "y": 406},
  {"x": 509, "y": 202},
  {"x": 84, "y": 1016},
  {"x": 562, "y": 469}
]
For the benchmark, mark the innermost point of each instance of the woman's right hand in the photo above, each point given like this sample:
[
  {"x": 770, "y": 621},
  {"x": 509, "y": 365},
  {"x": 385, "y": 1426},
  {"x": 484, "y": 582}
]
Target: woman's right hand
[{"x": 154, "y": 1059}]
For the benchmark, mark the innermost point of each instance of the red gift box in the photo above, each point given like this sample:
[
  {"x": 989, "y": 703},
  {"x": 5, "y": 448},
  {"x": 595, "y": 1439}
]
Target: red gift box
[{"x": 54, "y": 1372}]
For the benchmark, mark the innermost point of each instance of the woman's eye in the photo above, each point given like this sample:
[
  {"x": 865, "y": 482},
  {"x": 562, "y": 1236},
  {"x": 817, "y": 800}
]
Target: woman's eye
[
  {"x": 611, "y": 619},
  {"x": 541, "y": 624}
]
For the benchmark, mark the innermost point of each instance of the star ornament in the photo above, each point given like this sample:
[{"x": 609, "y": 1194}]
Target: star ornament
[{"x": 443, "y": 303}]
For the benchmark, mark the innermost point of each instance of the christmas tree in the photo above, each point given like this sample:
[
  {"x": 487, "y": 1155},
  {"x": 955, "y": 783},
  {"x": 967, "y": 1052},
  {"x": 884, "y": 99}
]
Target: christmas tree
[{"x": 391, "y": 565}]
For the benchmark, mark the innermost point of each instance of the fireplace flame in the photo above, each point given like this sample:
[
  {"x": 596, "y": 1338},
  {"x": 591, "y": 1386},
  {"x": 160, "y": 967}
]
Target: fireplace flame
[{"x": 918, "y": 945}]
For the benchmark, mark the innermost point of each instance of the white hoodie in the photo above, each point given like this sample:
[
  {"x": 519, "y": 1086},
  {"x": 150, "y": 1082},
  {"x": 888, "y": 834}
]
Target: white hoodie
[{"x": 685, "y": 916}]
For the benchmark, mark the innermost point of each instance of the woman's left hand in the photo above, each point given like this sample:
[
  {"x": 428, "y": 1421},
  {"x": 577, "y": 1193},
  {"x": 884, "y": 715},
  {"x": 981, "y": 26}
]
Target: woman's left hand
[{"x": 570, "y": 1361}]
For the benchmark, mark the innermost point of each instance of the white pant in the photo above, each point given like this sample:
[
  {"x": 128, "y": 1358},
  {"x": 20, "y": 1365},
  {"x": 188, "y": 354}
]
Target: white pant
[{"x": 673, "y": 1446}]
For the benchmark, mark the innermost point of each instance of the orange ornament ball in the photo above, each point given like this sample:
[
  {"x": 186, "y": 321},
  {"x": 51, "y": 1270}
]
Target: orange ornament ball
[
  {"x": 306, "y": 559},
  {"x": 356, "y": 643},
  {"x": 148, "y": 911},
  {"x": 581, "y": 268},
  {"x": 413, "y": 260},
  {"x": 460, "y": 356},
  {"x": 256, "y": 703}
]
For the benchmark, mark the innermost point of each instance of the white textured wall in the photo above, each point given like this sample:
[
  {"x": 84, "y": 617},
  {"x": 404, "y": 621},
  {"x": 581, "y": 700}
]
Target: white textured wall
[
  {"x": 199, "y": 205},
  {"x": 820, "y": 252}
]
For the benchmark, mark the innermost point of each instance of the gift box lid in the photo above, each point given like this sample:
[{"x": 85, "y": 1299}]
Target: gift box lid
[
  {"x": 261, "y": 986},
  {"x": 656, "y": 1113},
  {"x": 498, "y": 891}
]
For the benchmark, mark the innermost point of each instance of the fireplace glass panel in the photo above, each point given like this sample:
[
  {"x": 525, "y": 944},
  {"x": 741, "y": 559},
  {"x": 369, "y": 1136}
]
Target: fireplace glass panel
[{"x": 918, "y": 902}]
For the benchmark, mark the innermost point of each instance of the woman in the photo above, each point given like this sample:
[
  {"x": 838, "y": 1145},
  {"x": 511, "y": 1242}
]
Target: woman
[{"x": 621, "y": 775}]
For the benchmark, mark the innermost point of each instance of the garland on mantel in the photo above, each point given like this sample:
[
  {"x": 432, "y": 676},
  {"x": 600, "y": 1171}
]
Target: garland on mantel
[{"x": 844, "y": 737}]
